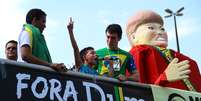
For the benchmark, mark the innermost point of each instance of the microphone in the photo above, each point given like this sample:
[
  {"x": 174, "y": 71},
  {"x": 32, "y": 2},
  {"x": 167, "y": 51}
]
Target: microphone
[
  {"x": 100, "y": 58},
  {"x": 108, "y": 58}
]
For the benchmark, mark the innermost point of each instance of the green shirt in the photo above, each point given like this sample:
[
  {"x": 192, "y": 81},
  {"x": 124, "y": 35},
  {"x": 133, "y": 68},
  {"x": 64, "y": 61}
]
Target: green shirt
[
  {"x": 122, "y": 60},
  {"x": 38, "y": 43}
]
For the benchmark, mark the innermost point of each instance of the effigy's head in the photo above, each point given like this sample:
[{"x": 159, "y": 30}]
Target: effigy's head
[{"x": 146, "y": 27}]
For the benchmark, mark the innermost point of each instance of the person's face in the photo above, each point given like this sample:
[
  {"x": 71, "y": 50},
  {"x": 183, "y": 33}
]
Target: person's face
[
  {"x": 40, "y": 23},
  {"x": 11, "y": 51},
  {"x": 91, "y": 57},
  {"x": 151, "y": 34},
  {"x": 112, "y": 40}
]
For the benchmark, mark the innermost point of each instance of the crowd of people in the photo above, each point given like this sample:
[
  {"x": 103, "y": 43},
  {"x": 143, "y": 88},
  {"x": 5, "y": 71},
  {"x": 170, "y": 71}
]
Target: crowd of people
[
  {"x": 149, "y": 61},
  {"x": 109, "y": 62}
]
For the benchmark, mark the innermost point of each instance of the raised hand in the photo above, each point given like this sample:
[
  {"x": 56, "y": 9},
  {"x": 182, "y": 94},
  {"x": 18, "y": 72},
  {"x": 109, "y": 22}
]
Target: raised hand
[
  {"x": 70, "y": 25},
  {"x": 78, "y": 61},
  {"x": 177, "y": 70}
]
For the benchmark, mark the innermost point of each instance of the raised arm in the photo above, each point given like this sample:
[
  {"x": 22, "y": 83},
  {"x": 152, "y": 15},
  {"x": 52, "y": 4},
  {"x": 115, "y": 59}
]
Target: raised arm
[{"x": 78, "y": 61}]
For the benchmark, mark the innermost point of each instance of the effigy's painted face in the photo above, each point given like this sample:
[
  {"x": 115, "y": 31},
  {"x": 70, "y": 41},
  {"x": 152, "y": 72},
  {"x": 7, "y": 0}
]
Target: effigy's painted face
[{"x": 150, "y": 34}]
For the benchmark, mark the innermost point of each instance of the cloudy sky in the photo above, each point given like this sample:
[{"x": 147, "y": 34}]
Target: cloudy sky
[{"x": 92, "y": 17}]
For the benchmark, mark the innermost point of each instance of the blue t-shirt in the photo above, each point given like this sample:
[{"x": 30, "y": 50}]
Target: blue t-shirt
[{"x": 88, "y": 70}]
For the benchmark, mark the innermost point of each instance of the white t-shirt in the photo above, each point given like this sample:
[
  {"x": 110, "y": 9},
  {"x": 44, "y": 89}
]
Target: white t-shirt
[{"x": 24, "y": 38}]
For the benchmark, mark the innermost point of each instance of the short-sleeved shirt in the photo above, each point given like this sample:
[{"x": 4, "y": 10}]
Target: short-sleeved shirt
[
  {"x": 88, "y": 70},
  {"x": 31, "y": 36},
  {"x": 122, "y": 60},
  {"x": 24, "y": 39}
]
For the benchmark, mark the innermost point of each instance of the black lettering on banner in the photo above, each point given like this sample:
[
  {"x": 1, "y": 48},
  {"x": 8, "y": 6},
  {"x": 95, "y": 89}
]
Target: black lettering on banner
[
  {"x": 176, "y": 97},
  {"x": 194, "y": 99}
]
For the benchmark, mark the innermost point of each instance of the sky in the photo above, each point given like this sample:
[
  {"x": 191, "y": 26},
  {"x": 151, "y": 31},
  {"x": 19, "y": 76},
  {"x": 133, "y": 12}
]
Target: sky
[{"x": 91, "y": 17}]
